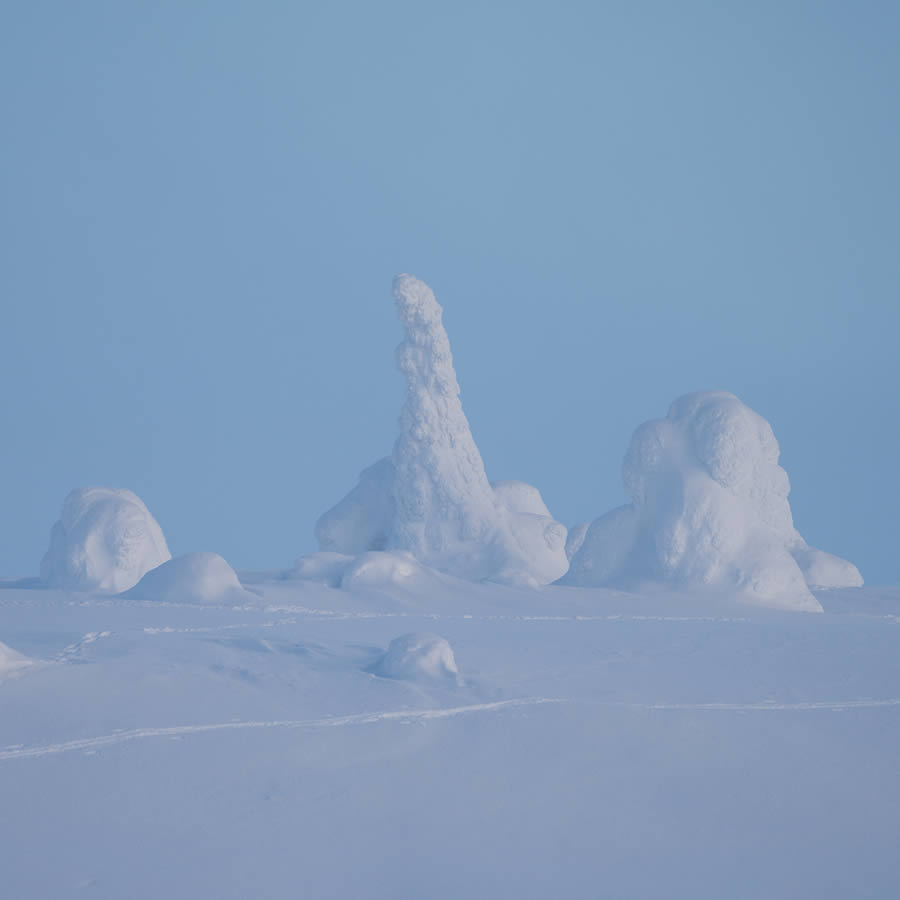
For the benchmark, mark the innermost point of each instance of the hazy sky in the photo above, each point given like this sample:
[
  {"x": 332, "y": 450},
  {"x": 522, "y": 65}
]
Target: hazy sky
[{"x": 203, "y": 205}]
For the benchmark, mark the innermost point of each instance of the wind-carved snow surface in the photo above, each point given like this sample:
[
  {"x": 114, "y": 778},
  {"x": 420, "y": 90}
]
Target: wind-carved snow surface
[
  {"x": 419, "y": 656},
  {"x": 192, "y": 578},
  {"x": 104, "y": 541},
  {"x": 432, "y": 498},
  {"x": 709, "y": 508}
]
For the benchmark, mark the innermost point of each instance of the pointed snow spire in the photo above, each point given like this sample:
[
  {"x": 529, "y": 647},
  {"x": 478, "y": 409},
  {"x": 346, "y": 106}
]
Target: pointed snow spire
[
  {"x": 446, "y": 512},
  {"x": 432, "y": 499}
]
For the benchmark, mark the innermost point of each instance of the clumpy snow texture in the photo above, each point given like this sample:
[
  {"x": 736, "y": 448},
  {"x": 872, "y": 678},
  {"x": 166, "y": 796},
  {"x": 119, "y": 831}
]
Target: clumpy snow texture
[
  {"x": 418, "y": 657},
  {"x": 709, "y": 509},
  {"x": 104, "y": 541},
  {"x": 192, "y": 578},
  {"x": 432, "y": 498},
  {"x": 11, "y": 661}
]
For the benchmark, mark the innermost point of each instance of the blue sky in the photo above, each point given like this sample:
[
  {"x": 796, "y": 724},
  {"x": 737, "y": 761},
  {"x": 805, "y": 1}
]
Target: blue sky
[{"x": 616, "y": 203}]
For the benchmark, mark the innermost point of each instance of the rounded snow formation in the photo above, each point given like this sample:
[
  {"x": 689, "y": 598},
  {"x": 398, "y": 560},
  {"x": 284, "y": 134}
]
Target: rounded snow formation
[
  {"x": 104, "y": 541},
  {"x": 203, "y": 578},
  {"x": 418, "y": 657},
  {"x": 432, "y": 498},
  {"x": 324, "y": 567},
  {"x": 381, "y": 569},
  {"x": 709, "y": 508},
  {"x": 11, "y": 661}
]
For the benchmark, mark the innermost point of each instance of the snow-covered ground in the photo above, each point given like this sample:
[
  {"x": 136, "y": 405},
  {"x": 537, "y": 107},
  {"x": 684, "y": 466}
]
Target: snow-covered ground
[{"x": 590, "y": 743}]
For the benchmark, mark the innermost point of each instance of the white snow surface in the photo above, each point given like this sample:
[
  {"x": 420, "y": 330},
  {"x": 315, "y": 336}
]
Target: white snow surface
[
  {"x": 192, "y": 578},
  {"x": 105, "y": 541},
  {"x": 593, "y": 742},
  {"x": 11, "y": 661},
  {"x": 364, "y": 518},
  {"x": 709, "y": 509},
  {"x": 418, "y": 656},
  {"x": 432, "y": 498},
  {"x": 379, "y": 569}
]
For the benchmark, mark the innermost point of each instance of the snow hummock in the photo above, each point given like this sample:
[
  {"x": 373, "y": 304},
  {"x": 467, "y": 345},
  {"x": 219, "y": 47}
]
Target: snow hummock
[
  {"x": 192, "y": 578},
  {"x": 432, "y": 497},
  {"x": 382, "y": 569},
  {"x": 104, "y": 541},
  {"x": 418, "y": 656},
  {"x": 325, "y": 567},
  {"x": 709, "y": 508},
  {"x": 12, "y": 661}
]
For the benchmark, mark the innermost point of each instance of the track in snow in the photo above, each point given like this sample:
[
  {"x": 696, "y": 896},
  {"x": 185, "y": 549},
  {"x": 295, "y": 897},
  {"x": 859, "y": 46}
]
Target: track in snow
[{"x": 121, "y": 737}]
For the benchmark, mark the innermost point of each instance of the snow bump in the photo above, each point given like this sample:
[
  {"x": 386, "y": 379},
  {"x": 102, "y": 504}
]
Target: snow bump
[{"x": 418, "y": 657}]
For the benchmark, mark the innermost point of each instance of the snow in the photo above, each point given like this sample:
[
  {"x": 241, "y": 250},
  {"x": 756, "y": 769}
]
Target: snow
[
  {"x": 11, "y": 661},
  {"x": 382, "y": 569},
  {"x": 709, "y": 509},
  {"x": 432, "y": 498},
  {"x": 105, "y": 541},
  {"x": 192, "y": 578},
  {"x": 590, "y": 741},
  {"x": 324, "y": 567},
  {"x": 575, "y": 538},
  {"x": 658, "y": 720},
  {"x": 363, "y": 519},
  {"x": 418, "y": 656}
]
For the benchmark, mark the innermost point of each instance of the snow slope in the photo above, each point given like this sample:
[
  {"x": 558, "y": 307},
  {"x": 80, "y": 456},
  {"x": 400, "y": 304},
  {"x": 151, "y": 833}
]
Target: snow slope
[
  {"x": 596, "y": 743},
  {"x": 11, "y": 661},
  {"x": 709, "y": 508}
]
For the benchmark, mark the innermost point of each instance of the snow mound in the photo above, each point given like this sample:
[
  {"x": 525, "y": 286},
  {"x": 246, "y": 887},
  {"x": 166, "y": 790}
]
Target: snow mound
[
  {"x": 381, "y": 569},
  {"x": 104, "y": 541},
  {"x": 362, "y": 520},
  {"x": 324, "y": 567},
  {"x": 709, "y": 508},
  {"x": 432, "y": 498},
  {"x": 12, "y": 661},
  {"x": 418, "y": 657},
  {"x": 192, "y": 578}
]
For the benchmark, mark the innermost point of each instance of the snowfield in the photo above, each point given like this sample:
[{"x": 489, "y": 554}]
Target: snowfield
[
  {"x": 567, "y": 742},
  {"x": 457, "y": 696}
]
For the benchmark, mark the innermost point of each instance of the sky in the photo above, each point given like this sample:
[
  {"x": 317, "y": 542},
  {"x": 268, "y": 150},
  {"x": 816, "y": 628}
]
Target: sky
[{"x": 616, "y": 203}]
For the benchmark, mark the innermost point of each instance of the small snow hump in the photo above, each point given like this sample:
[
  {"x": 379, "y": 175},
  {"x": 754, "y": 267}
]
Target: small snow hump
[
  {"x": 192, "y": 578},
  {"x": 418, "y": 657},
  {"x": 105, "y": 541}
]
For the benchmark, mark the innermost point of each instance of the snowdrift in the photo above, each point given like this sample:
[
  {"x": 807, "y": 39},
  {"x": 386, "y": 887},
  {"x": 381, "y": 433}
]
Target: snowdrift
[
  {"x": 709, "y": 507},
  {"x": 12, "y": 661},
  {"x": 192, "y": 578},
  {"x": 104, "y": 541},
  {"x": 383, "y": 569},
  {"x": 432, "y": 498},
  {"x": 418, "y": 657}
]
